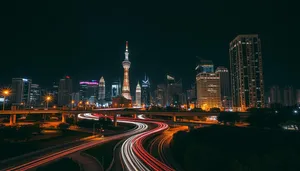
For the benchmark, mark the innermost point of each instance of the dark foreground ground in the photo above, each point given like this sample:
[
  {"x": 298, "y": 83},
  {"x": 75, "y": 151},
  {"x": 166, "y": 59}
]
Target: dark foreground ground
[{"x": 237, "y": 149}]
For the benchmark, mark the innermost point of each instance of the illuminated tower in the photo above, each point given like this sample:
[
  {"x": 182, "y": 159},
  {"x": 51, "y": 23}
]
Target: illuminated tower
[
  {"x": 101, "y": 96},
  {"x": 138, "y": 95},
  {"x": 126, "y": 65}
]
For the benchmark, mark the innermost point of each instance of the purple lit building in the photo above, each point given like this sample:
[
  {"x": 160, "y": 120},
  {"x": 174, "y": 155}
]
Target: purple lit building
[{"x": 88, "y": 91}]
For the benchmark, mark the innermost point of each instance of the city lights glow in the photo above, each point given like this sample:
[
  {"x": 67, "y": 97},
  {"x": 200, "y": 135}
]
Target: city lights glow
[{"x": 88, "y": 83}]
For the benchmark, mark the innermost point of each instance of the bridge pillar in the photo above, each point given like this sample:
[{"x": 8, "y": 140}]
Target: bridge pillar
[
  {"x": 115, "y": 120},
  {"x": 12, "y": 119},
  {"x": 75, "y": 118},
  {"x": 134, "y": 116},
  {"x": 63, "y": 118},
  {"x": 174, "y": 118}
]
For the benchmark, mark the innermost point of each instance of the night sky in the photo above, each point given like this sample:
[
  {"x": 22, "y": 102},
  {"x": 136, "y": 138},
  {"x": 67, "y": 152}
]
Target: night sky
[{"x": 45, "y": 40}]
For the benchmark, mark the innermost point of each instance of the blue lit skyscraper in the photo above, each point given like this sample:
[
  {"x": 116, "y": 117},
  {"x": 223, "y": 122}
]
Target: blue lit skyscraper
[{"x": 146, "y": 96}]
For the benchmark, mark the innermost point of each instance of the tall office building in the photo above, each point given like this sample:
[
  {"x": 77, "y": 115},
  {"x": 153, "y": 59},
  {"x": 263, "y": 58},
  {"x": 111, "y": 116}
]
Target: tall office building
[
  {"x": 35, "y": 95},
  {"x": 21, "y": 91},
  {"x": 101, "y": 95},
  {"x": 54, "y": 92},
  {"x": 288, "y": 96},
  {"x": 65, "y": 91},
  {"x": 246, "y": 72},
  {"x": 126, "y": 65},
  {"x": 205, "y": 66},
  {"x": 160, "y": 95},
  {"x": 275, "y": 95},
  {"x": 173, "y": 92},
  {"x": 208, "y": 91},
  {"x": 138, "y": 95},
  {"x": 146, "y": 95},
  {"x": 88, "y": 91},
  {"x": 115, "y": 88},
  {"x": 225, "y": 87}
]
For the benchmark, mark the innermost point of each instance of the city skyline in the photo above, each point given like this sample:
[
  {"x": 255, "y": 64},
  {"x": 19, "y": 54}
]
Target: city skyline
[{"x": 101, "y": 40}]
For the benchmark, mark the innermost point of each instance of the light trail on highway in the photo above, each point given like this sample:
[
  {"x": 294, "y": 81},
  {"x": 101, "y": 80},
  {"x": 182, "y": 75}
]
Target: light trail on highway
[
  {"x": 135, "y": 157},
  {"x": 140, "y": 127}
]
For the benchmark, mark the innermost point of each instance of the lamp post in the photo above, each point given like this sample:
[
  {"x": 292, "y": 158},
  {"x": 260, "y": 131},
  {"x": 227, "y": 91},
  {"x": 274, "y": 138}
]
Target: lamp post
[
  {"x": 48, "y": 98},
  {"x": 5, "y": 93}
]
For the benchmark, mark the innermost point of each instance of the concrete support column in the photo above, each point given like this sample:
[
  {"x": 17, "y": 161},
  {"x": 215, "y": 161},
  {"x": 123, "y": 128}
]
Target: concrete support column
[
  {"x": 75, "y": 118},
  {"x": 44, "y": 117},
  {"x": 14, "y": 118},
  {"x": 11, "y": 120},
  {"x": 115, "y": 120},
  {"x": 63, "y": 118},
  {"x": 174, "y": 118},
  {"x": 134, "y": 116}
]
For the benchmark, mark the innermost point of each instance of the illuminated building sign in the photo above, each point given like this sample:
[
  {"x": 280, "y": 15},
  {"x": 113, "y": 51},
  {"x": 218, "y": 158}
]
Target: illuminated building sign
[
  {"x": 25, "y": 80},
  {"x": 88, "y": 83}
]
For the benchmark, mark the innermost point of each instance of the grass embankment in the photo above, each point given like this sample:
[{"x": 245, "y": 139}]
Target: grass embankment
[
  {"x": 11, "y": 149},
  {"x": 61, "y": 165}
]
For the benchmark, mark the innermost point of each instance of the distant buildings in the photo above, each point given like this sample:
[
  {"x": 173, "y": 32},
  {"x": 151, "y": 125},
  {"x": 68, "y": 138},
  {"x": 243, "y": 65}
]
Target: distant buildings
[
  {"x": 21, "y": 91},
  {"x": 275, "y": 95},
  {"x": 101, "y": 96},
  {"x": 289, "y": 96},
  {"x": 138, "y": 95},
  {"x": 65, "y": 91},
  {"x": 246, "y": 72},
  {"x": 126, "y": 65},
  {"x": 298, "y": 97},
  {"x": 146, "y": 94}
]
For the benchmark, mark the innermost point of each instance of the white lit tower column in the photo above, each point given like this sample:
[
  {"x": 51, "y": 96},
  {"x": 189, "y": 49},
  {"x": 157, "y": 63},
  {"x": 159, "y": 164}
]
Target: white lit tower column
[
  {"x": 138, "y": 95},
  {"x": 101, "y": 95},
  {"x": 126, "y": 65}
]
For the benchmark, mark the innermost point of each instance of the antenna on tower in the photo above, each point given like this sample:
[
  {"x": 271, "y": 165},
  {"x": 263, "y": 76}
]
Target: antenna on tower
[{"x": 126, "y": 46}]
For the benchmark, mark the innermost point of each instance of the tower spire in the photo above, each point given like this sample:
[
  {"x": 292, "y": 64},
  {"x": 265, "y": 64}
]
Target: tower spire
[{"x": 126, "y": 46}]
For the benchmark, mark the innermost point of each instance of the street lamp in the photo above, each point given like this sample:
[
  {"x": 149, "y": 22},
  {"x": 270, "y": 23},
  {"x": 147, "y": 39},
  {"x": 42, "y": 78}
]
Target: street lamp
[
  {"x": 5, "y": 93},
  {"x": 72, "y": 103},
  {"x": 48, "y": 98}
]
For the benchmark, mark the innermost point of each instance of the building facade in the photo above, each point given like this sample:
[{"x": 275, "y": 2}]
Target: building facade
[
  {"x": 138, "y": 95},
  {"x": 225, "y": 87},
  {"x": 21, "y": 91},
  {"x": 246, "y": 72},
  {"x": 160, "y": 95},
  {"x": 208, "y": 91},
  {"x": 173, "y": 92},
  {"x": 65, "y": 91},
  {"x": 126, "y": 65}
]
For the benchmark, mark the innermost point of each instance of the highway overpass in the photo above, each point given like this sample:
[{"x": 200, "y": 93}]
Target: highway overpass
[{"x": 110, "y": 112}]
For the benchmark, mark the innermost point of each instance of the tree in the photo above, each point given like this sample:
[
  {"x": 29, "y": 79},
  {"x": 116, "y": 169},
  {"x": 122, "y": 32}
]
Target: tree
[{"x": 229, "y": 117}]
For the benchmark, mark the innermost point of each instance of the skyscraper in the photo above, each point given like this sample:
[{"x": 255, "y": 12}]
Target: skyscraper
[
  {"x": 288, "y": 96},
  {"x": 275, "y": 95},
  {"x": 88, "y": 91},
  {"x": 65, "y": 91},
  {"x": 160, "y": 95},
  {"x": 298, "y": 96},
  {"x": 205, "y": 66},
  {"x": 101, "y": 96},
  {"x": 146, "y": 96},
  {"x": 115, "y": 88},
  {"x": 21, "y": 91},
  {"x": 138, "y": 95},
  {"x": 208, "y": 90},
  {"x": 173, "y": 92},
  {"x": 126, "y": 65},
  {"x": 246, "y": 72},
  {"x": 35, "y": 95},
  {"x": 225, "y": 87}
]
